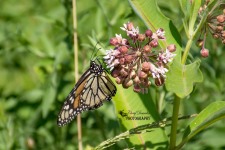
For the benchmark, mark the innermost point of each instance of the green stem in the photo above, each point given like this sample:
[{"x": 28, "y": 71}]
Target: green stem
[
  {"x": 191, "y": 37},
  {"x": 176, "y": 105},
  {"x": 186, "y": 51}
]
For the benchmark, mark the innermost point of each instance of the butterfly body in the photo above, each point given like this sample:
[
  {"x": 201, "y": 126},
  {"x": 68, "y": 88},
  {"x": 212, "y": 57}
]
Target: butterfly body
[{"x": 92, "y": 89}]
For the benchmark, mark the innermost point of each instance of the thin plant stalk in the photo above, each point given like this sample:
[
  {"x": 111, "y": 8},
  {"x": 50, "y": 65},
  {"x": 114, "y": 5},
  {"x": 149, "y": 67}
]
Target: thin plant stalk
[
  {"x": 79, "y": 130},
  {"x": 139, "y": 130},
  {"x": 173, "y": 136}
]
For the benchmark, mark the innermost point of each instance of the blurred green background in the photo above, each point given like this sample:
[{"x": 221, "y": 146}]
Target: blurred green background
[{"x": 37, "y": 73}]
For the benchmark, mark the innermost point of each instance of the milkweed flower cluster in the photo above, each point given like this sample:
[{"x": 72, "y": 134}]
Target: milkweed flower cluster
[{"x": 135, "y": 59}]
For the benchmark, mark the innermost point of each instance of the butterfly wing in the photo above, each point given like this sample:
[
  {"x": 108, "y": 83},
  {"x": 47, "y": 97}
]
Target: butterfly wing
[
  {"x": 97, "y": 90},
  {"x": 72, "y": 104},
  {"x": 89, "y": 93}
]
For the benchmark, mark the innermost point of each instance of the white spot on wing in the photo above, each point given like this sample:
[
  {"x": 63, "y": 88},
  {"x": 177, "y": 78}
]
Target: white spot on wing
[
  {"x": 72, "y": 100},
  {"x": 71, "y": 111},
  {"x": 66, "y": 107}
]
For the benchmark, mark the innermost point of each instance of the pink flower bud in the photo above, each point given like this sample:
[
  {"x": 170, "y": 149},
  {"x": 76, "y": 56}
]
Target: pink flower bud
[
  {"x": 130, "y": 26},
  {"x": 123, "y": 49},
  {"x": 122, "y": 61},
  {"x": 220, "y": 18},
  {"x": 223, "y": 41},
  {"x": 137, "y": 88},
  {"x": 115, "y": 73},
  {"x": 204, "y": 52},
  {"x": 119, "y": 80},
  {"x": 215, "y": 36},
  {"x": 171, "y": 48},
  {"x": 219, "y": 28},
  {"x": 147, "y": 49},
  {"x": 141, "y": 37},
  {"x": 223, "y": 34},
  {"x": 142, "y": 75},
  {"x": 128, "y": 58},
  {"x": 137, "y": 80},
  {"x": 113, "y": 41},
  {"x": 123, "y": 72},
  {"x": 154, "y": 43},
  {"x": 127, "y": 83},
  {"x": 148, "y": 33},
  {"x": 145, "y": 66},
  {"x": 132, "y": 74}
]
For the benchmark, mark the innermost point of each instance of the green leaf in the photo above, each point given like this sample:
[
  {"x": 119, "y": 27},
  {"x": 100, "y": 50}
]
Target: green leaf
[
  {"x": 212, "y": 113},
  {"x": 48, "y": 99},
  {"x": 184, "y": 4},
  {"x": 182, "y": 78},
  {"x": 193, "y": 15},
  {"x": 185, "y": 7},
  {"x": 126, "y": 101}
]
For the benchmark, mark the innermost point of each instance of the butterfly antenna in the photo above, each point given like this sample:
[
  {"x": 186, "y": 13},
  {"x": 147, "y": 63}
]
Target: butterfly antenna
[{"x": 95, "y": 52}]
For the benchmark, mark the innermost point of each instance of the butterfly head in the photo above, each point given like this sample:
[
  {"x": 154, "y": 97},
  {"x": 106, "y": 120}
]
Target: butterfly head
[{"x": 96, "y": 68}]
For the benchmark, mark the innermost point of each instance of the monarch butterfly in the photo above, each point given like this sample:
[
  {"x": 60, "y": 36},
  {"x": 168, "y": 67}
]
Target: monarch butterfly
[{"x": 90, "y": 91}]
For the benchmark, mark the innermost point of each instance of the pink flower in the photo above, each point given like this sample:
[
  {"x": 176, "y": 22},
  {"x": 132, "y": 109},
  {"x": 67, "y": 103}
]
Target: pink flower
[
  {"x": 133, "y": 59},
  {"x": 121, "y": 40},
  {"x": 131, "y": 31},
  {"x": 166, "y": 56},
  {"x": 158, "y": 72},
  {"x": 110, "y": 58},
  {"x": 160, "y": 34},
  {"x": 154, "y": 71}
]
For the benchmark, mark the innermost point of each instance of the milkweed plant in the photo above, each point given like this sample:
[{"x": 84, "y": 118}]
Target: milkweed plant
[{"x": 139, "y": 59}]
